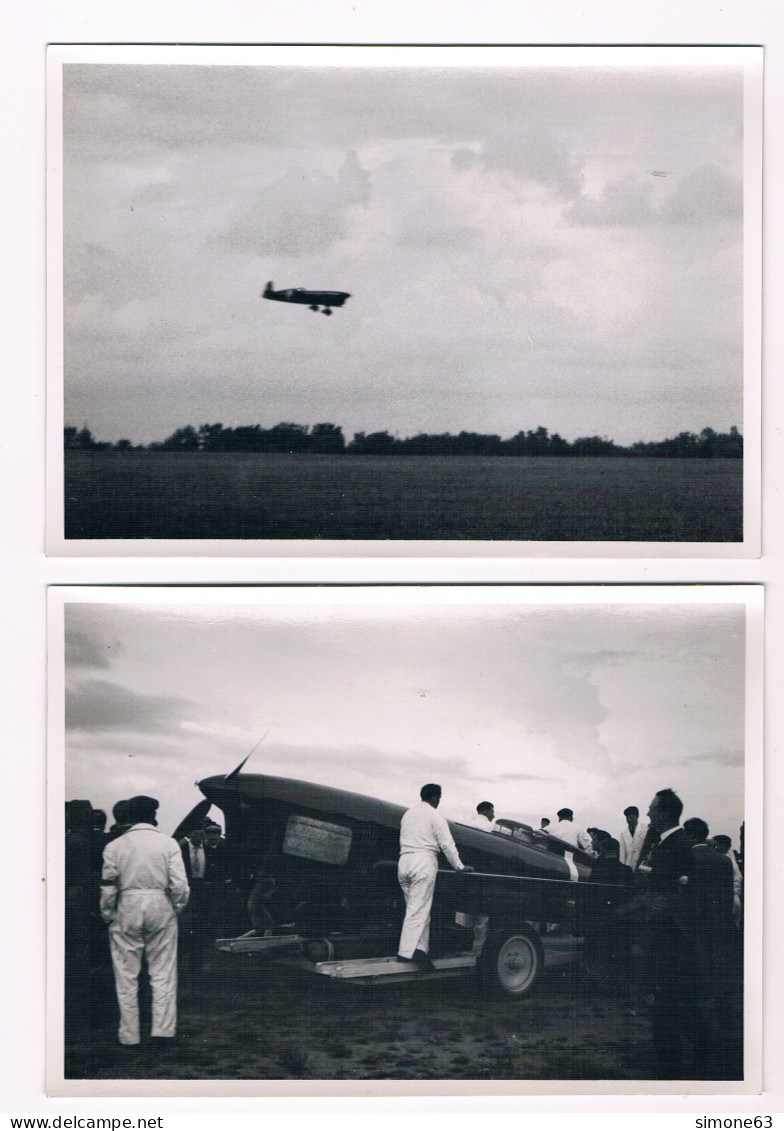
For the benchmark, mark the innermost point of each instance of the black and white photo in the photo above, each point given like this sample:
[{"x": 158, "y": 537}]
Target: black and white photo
[
  {"x": 574, "y": 751},
  {"x": 515, "y": 300}
]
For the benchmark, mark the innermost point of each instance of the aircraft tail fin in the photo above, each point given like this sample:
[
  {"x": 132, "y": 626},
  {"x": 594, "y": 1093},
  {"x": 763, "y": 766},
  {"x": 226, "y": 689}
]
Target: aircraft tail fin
[{"x": 268, "y": 289}]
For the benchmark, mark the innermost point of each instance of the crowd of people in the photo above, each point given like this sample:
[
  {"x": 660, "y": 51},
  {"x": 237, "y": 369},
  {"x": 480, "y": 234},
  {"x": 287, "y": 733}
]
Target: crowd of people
[
  {"x": 130, "y": 896},
  {"x": 671, "y": 916},
  {"x": 670, "y": 919}
]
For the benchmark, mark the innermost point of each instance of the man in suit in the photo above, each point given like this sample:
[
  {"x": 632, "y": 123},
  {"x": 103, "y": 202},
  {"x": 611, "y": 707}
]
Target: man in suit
[
  {"x": 713, "y": 934},
  {"x": 609, "y": 940},
  {"x": 217, "y": 881},
  {"x": 667, "y": 945},
  {"x": 608, "y": 869},
  {"x": 121, "y": 822},
  {"x": 193, "y": 925},
  {"x": 193, "y": 855},
  {"x": 711, "y": 894},
  {"x": 215, "y": 854}
]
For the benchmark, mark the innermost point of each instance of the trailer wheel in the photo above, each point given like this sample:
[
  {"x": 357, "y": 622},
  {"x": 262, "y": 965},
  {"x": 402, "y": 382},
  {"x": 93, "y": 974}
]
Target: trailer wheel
[{"x": 511, "y": 963}]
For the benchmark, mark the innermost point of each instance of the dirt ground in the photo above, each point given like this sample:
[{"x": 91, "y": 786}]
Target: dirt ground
[{"x": 246, "y": 1020}]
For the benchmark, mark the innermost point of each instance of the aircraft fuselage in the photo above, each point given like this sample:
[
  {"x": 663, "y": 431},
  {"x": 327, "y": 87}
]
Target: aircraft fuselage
[{"x": 313, "y": 299}]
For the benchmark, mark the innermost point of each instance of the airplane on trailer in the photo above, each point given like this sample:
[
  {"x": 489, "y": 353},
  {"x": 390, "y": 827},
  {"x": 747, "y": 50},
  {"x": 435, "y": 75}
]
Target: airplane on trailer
[
  {"x": 318, "y": 872},
  {"x": 314, "y": 299}
]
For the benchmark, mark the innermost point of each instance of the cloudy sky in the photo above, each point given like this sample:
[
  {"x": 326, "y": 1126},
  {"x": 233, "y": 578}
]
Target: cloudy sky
[
  {"x": 532, "y": 706},
  {"x": 523, "y": 246}
]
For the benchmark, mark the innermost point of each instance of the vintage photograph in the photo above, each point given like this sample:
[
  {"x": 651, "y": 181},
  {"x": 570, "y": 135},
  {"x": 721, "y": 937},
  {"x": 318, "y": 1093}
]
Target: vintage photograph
[
  {"x": 502, "y": 837},
  {"x": 404, "y": 300}
]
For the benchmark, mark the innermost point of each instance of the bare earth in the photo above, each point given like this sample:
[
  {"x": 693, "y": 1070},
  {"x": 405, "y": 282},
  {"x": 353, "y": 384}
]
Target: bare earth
[{"x": 248, "y": 1021}]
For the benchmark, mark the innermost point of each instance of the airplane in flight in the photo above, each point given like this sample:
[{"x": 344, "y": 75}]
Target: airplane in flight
[{"x": 314, "y": 299}]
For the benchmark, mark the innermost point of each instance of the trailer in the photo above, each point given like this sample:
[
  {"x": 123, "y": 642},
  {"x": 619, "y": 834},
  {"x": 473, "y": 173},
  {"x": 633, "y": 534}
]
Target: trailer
[
  {"x": 318, "y": 869},
  {"x": 505, "y": 951}
]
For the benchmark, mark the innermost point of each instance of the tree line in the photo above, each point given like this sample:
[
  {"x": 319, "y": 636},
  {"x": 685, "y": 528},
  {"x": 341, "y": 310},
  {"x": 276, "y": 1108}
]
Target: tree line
[{"x": 328, "y": 439}]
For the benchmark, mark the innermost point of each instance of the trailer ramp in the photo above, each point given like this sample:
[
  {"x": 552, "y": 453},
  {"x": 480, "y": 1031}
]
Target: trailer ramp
[{"x": 376, "y": 971}]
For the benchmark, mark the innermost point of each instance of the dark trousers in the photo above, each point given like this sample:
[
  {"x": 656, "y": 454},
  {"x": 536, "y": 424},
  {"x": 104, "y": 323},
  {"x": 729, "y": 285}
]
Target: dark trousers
[{"x": 683, "y": 1026}]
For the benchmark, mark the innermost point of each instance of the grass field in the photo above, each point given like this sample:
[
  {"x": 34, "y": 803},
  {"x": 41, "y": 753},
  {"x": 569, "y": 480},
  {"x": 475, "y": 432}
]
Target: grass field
[{"x": 249, "y": 496}]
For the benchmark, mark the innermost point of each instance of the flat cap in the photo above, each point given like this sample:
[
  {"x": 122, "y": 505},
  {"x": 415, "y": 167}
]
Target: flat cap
[{"x": 141, "y": 808}]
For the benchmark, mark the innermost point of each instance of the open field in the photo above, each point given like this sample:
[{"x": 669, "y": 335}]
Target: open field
[
  {"x": 261, "y": 496},
  {"x": 245, "y": 1021}
]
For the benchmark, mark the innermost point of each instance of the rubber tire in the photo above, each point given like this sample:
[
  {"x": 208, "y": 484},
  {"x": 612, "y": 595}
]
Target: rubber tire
[{"x": 511, "y": 962}]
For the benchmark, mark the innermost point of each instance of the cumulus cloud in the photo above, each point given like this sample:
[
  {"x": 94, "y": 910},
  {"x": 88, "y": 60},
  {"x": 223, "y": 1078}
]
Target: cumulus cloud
[
  {"x": 303, "y": 212},
  {"x": 510, "y": 258},
  {"x": 429, "y": 234},
  {"x": 625, "y": 203},
  {"x": 705, "y": 196},
  {"x": 530, "y": 153}
]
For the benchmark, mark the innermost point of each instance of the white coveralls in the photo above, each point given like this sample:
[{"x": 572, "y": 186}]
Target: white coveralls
[
  {"x": 143, "y": 888},
  {"x": 423, "y": 833}
]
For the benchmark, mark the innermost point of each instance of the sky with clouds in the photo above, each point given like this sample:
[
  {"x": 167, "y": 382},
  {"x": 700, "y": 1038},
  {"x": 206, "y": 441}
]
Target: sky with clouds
[
  {"x": 523, "y": 246},
  {"x": 533, "y": 706}
]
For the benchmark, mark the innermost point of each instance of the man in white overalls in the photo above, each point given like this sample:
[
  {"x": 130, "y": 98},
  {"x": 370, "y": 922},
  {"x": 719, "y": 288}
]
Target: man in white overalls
[
  {"x": 423, "y": 834},
  {"x": 143, "y": 889}
]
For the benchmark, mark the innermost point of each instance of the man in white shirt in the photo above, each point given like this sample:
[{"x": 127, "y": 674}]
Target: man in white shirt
[
  {"x": 423, "y": 834},
  {"x": 567, "y": 830},
  {"x": 632, "y": 838},
  {"x": 485, "y": 817},
  {"x": 143, "y": 889}
]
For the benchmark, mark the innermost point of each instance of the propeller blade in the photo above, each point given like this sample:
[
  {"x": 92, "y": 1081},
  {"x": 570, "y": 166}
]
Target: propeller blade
[
  {"x": 233, "y": 774},
  {"x": 192, "y": 820}
]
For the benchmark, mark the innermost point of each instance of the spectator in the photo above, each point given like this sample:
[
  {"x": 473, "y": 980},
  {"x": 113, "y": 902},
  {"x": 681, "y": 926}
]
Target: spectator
[
  {"x": 143, "y": 889},
  {"x": 608, "y": 869},
  {"x": 194, "y": 857},
  {"x": 567, "y": 830},
  {"x": 711, "y": 892},
  {"x": 485, "y": 817},
  {"x": 667, "y": 945},
  {"x": 723, "y": 844},
  {"x": 632, "y": 837},
  {"x": 121, "y": 822},
  {"x": 423, "y": 834},
  {"x": 194, "y": 921},
  {"x": 609, "y": 940},
  {"x": 598, "y": 838}
]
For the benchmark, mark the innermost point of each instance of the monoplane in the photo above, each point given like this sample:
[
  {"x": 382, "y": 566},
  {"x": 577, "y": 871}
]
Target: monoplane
[
  {"x": 316, "y": 300},
  {"x": 318, "y": 869}
]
